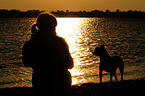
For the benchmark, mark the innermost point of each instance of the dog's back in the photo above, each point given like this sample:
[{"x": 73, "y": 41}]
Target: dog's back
[{"x": 117, "y": 60}]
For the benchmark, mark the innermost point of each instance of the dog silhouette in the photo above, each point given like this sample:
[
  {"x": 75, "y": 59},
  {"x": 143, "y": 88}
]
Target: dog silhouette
[{"x": 108, "y": 63}]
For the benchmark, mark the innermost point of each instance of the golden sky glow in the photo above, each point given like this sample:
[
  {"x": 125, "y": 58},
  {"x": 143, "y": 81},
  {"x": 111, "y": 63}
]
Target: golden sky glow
[{"x": 74, "y": 5}]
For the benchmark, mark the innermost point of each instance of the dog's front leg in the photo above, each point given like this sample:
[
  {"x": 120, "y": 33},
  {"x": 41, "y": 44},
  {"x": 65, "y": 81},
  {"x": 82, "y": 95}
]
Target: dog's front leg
[{"x": 100, "y": 75}]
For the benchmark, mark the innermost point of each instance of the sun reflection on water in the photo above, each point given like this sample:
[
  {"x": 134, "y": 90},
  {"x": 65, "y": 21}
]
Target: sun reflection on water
[
  {"x": 68, "y": 29},
  {"x": 71, "y": 29}
]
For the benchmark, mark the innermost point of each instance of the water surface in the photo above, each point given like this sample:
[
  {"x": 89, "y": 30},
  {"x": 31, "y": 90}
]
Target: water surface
[{"x": 124, "y": 37}]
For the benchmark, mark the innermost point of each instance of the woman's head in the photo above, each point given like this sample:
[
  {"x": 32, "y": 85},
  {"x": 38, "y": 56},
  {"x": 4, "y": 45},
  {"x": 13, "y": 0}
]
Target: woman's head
[{"x": 46, "y": 22}]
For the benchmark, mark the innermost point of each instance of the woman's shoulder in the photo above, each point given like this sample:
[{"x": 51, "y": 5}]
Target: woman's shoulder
[{"x": 61, "y": 39}]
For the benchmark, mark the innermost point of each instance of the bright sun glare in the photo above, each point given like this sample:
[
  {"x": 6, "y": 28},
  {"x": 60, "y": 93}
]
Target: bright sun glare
[{"x": 67, "y": 28}]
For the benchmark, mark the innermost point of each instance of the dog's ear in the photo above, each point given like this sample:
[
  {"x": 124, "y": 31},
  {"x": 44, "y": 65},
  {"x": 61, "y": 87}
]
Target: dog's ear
[
  {"x": 102, "y": 46},
  {"x": 96, "y": 46}
]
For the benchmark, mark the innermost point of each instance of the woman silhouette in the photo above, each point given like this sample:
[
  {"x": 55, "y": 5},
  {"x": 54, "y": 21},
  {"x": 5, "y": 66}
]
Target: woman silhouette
[{"x": 49, "y": 57}]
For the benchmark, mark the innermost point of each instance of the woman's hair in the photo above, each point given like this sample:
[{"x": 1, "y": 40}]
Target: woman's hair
[
  {"x": 33, "y": 29},
  {"x": 46, "y": 21}
]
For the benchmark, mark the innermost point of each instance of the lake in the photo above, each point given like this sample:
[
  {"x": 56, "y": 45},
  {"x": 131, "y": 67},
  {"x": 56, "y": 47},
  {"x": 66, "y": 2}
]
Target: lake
[{"x": 121, "y": 36}]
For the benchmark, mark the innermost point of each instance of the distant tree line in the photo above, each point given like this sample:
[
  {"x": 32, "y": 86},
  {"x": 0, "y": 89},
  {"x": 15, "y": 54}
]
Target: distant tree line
[
  {"x": 17, "y": 13},
  {"x": 98, "y": 13},
  {"x": 60, "y": 13}
]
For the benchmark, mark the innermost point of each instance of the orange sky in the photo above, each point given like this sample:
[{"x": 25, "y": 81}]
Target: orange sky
[{"x": 73, "y": 5}]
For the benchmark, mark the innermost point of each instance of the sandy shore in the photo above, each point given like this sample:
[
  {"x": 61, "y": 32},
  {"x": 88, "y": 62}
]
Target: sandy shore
[{"x": 127, "y": 87}]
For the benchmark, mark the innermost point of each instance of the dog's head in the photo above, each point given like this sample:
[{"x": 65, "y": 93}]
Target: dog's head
[{"x": 98, "y": 50}]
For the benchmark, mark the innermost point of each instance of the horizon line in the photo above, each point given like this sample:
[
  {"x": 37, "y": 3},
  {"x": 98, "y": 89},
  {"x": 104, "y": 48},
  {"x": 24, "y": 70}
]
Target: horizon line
[{"x": 71, "y": 10}]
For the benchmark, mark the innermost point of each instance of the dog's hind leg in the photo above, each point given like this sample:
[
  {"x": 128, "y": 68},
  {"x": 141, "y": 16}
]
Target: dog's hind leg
[
  {"x": 115, "y": 76},
  {"x": 121, "y": 69},
  {"x": 100, "y": 75},
  {"x": 122, "y": 72}
]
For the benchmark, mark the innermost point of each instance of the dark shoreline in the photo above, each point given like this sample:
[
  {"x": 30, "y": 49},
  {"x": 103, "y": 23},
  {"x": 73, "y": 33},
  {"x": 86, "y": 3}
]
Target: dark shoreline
[
  {"x": 127, "y": 87},
  {"x": 94, "y": 13}
]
